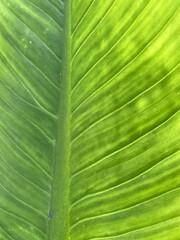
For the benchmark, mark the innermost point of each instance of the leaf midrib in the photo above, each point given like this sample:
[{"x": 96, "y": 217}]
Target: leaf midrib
[{"x": 59, "y": 224}]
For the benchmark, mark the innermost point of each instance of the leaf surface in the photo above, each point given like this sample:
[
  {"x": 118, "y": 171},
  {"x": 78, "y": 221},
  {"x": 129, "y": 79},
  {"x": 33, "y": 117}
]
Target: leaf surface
[{"x": 89, "y": 120}]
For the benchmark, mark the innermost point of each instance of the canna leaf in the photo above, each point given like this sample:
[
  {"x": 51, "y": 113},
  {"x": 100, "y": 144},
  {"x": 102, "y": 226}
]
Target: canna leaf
[{"x": 89, "y": 120}]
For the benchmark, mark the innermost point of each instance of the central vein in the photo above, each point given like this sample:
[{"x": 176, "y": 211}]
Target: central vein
[{"x": 59, "y": 223}]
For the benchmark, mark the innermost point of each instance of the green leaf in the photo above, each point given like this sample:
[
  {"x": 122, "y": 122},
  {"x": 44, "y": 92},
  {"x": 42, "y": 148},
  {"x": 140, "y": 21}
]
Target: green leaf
[{"x": 89, "y": 120}]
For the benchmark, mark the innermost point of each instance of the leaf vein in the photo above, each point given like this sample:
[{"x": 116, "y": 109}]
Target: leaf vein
[
  {"x": 12, "y": 238},
  {"x": 79, "y": 48},
  {"x": 83, "y": 16},
  {"x": 122, "y": 69},
  {"x": 51, "y": 141},
  {"x": 93, "y": 66},
  {"x": 23, "y": 202},
  {"x": 23, "y": 176},
  {"x": 22, "y": 219},
  {"x": 33, "y": 4},
  {"x": 25, "y": 86},
  {"x": 135, "y": 230},
  {"x": 123, "y": 106},
  {"x": 21, "y": 150},
  {"x": 39, "y": 70},
  {"x": 53, "y": 53}
]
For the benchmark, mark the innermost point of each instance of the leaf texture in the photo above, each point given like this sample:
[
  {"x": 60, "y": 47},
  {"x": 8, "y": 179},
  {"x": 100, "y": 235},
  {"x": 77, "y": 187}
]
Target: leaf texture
[
  {"x": 89, "y": 120},
  {"x": 125, "y": 119},
  {"x": 30, "y": 72}
]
